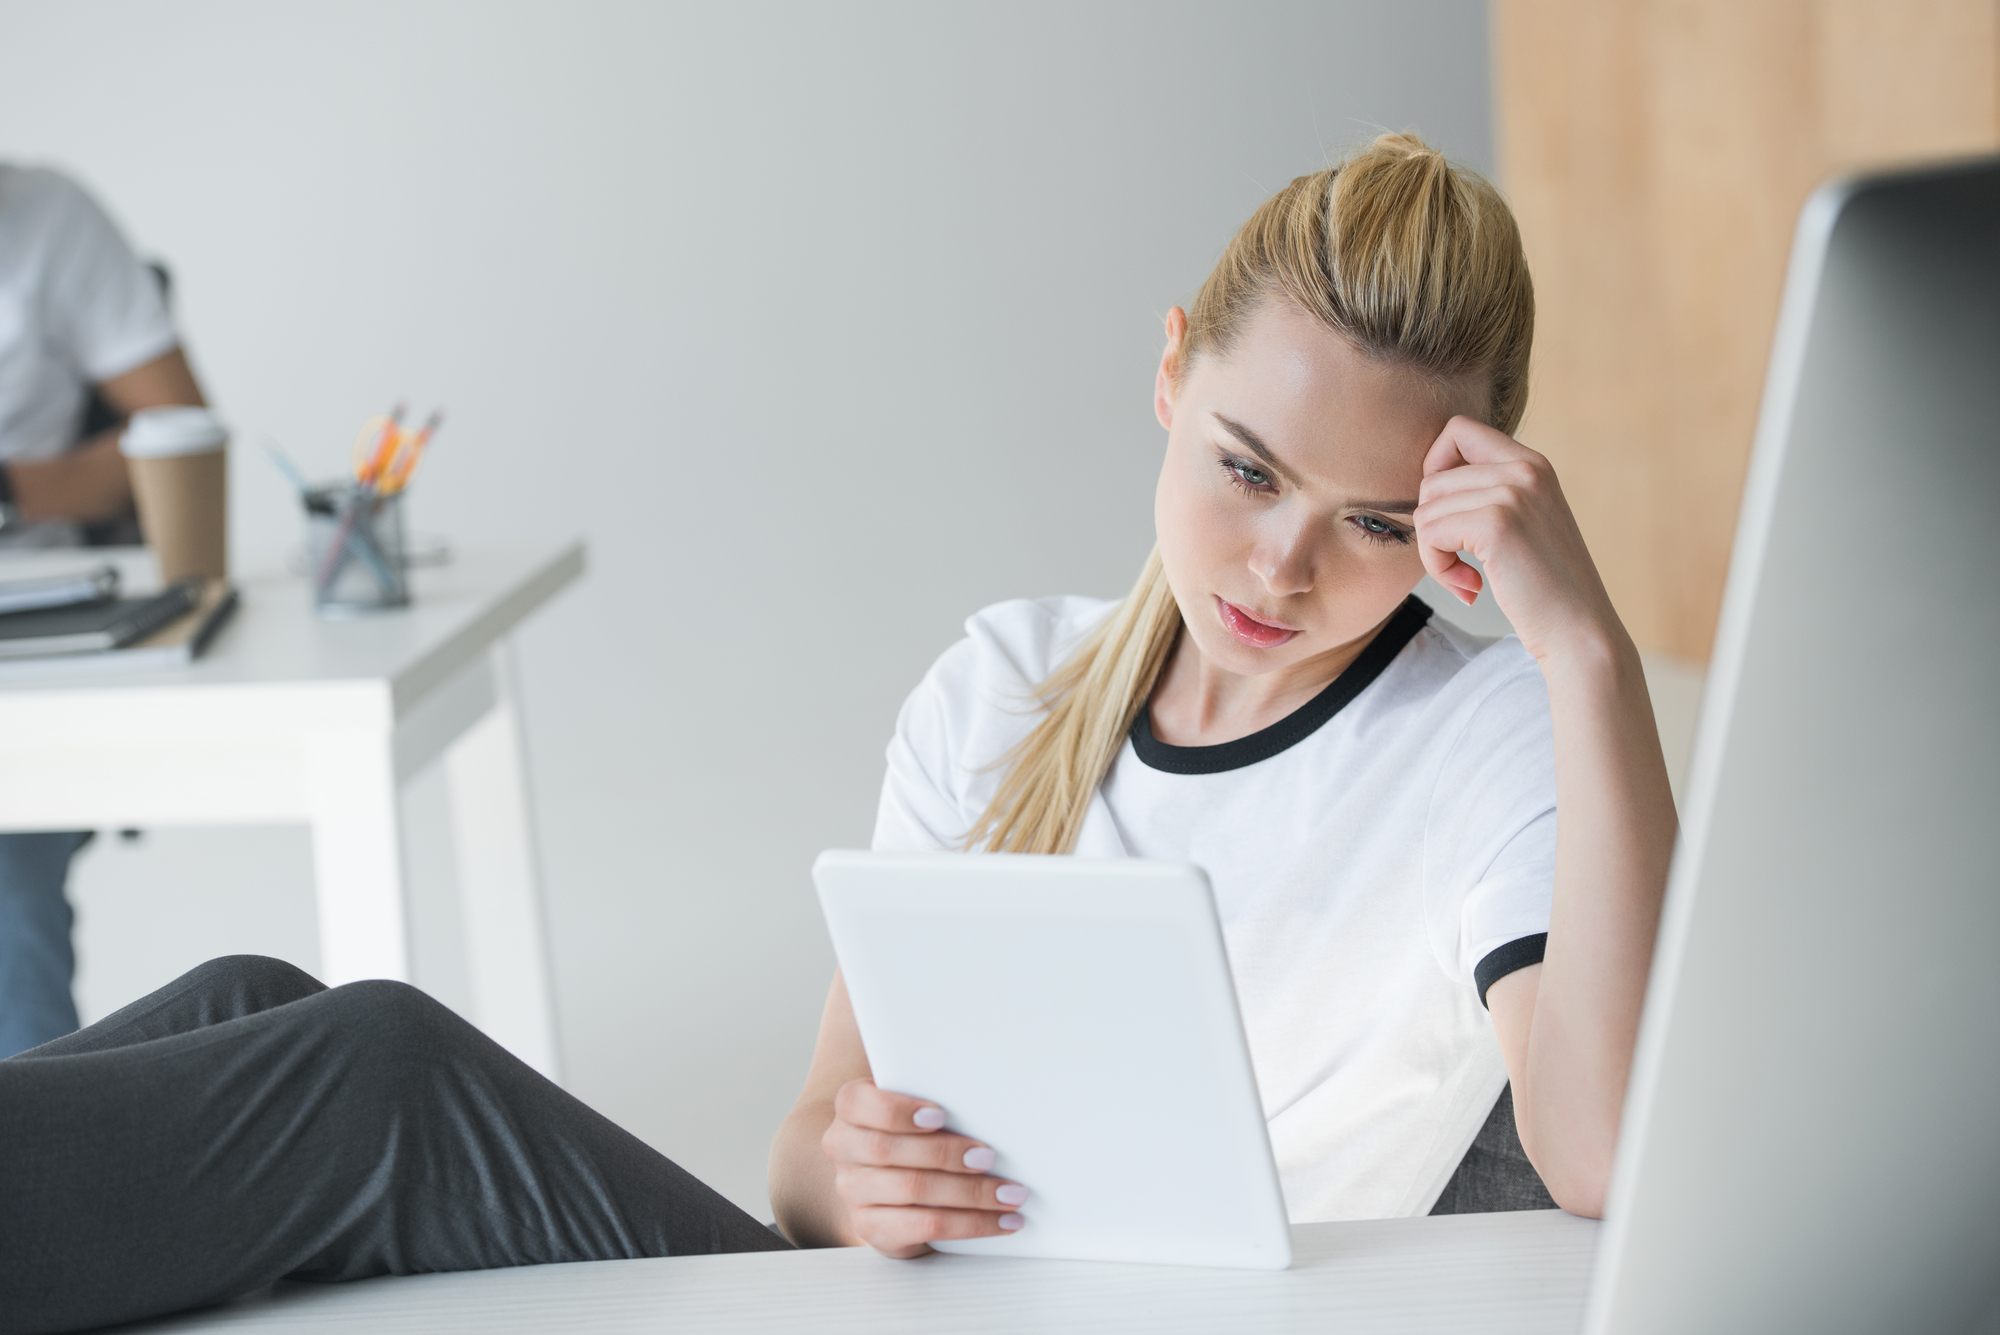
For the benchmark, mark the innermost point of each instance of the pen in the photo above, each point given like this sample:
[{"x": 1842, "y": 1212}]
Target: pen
[{"x": 285, "y": 465}]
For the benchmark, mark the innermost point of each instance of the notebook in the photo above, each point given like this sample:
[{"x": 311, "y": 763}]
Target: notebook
[{"x": 94, "y": 627}]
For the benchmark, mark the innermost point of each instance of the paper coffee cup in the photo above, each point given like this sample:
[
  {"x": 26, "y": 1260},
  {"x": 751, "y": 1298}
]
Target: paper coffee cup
[{"x": 178, "y": 459}]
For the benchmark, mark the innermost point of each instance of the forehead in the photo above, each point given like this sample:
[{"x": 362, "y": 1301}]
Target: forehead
[{"x": 1329, "y": 411}]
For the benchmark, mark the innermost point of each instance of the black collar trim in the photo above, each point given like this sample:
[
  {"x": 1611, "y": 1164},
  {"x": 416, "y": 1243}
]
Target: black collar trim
[{"x": 1294, "y": 727}]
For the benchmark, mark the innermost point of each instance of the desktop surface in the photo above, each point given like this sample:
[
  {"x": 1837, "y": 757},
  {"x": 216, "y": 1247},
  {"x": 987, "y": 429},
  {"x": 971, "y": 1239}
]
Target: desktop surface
[
  {"x": 275, "y": 638},
  {"x": 1498, "y": 1274}
]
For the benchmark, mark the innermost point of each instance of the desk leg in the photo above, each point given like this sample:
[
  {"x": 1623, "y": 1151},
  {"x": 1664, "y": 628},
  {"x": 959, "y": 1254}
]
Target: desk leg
[
  {"x": 357, "y": 860},
  {"x": 499, "y": 889}
]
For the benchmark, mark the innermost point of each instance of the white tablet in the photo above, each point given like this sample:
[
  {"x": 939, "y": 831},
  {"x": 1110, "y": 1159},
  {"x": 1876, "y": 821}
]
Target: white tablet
[{"x": 1077, "y": 1015}]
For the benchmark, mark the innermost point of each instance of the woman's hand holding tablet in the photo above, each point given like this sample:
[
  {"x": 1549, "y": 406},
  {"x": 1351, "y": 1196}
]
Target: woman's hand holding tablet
[{"x": 906, "y": 1182}]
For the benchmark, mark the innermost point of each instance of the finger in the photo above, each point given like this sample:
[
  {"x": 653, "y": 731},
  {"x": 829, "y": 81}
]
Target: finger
[
  {"x": 1462, "y": 578},
  {"x": 865, "y": 1187},
  {"x": 1444, "y": 454},
  {"x": 1442, "y": 563},
  {"x": 1447, "y": 527},
  {"x": 904, "y": 1231},
  {"x": 1475, "y": 477},
  {"x": 942, "y": 1151},
  {"x": 1470, "y": 521},
  {"x": 1466, "y": 440},
  {"x": 1459, "y": 579},
  {"x": 863, "y": 1104}
]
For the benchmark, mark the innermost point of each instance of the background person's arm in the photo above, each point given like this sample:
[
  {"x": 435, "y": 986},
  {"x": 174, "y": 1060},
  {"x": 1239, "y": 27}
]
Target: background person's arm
[
  {"x": 1566, "y": 1026},
  {"x": 90, "y": 482}
]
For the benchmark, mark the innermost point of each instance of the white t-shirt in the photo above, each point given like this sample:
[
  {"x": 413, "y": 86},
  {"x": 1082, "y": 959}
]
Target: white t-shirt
[
  {"x": 1378, "y": 858},
  {"x": 76, "y": 308}
]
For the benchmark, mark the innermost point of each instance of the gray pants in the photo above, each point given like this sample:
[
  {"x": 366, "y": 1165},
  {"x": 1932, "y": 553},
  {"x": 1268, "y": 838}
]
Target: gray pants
[
  {"x": 245, "y": 1124},
  {"x": 1495, "y": 1173}
]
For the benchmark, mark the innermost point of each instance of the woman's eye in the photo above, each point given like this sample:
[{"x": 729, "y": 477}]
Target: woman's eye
[
  {"x": 1380, "y": 530},
  {"x": 1253, "y": 479}
]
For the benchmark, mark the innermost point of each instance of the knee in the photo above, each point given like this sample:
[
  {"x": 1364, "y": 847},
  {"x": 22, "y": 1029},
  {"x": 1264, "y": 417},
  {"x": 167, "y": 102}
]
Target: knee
[
  {"x": 401, "y": 1048},
  {"x": 262, "y": 981},
  {"x": 394, "y": 1019}
]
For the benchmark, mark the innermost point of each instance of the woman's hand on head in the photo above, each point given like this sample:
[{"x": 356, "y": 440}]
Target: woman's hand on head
[
  {"x": 905, "y": 1181},
  {"x": 1485, "y": 493}
]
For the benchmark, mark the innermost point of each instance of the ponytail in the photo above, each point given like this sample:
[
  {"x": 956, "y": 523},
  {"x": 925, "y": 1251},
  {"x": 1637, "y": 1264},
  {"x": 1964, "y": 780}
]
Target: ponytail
[{"x": 1092, "y": 700}]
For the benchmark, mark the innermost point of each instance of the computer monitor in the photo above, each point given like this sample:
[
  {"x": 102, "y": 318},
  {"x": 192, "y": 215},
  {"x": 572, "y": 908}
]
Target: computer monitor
[{"x": 1812, "y": 1137}]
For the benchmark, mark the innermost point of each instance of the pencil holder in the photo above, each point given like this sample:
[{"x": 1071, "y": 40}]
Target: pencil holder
[{"x": 356, "y": 550}]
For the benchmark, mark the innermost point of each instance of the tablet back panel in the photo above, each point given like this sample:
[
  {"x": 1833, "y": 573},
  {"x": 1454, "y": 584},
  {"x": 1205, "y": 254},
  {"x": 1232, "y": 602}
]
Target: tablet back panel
[
  {"x": 1812, "y": 1139},
  {"x": 1077, "y": 1014}
]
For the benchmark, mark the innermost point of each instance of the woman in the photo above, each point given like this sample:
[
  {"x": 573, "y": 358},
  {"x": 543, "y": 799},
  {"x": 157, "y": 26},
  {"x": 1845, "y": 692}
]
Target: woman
[{"x": 1373, "y": 793}]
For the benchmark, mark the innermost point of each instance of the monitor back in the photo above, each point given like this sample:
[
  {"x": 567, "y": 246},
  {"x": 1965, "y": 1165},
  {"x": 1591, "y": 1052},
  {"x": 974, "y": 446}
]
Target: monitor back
[{"x": 1812, "y": 1139}]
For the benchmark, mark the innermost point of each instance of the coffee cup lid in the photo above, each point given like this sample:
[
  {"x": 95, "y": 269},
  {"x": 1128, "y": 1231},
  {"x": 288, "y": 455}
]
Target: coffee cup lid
[{"x": 162, "y": 433}]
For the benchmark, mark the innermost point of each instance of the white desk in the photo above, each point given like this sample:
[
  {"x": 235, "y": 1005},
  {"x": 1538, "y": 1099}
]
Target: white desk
[
  {"x": 290, "y": 718},
  {"x": 1499, "y": 1274}
]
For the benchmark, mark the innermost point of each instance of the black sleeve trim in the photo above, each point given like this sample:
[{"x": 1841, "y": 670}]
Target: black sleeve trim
[{"x": 1518, "y": 954}]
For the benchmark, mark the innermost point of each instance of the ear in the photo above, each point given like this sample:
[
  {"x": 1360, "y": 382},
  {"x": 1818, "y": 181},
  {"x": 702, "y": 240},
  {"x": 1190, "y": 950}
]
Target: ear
[{"x": 1166, "y": 385}]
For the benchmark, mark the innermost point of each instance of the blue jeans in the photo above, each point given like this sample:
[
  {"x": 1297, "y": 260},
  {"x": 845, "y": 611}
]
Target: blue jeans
[{"x": 36, "y": 958}]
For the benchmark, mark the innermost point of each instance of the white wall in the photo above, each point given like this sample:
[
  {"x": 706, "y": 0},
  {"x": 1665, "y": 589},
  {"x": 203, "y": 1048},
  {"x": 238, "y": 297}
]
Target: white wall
[{"x": 826, "y": 324}]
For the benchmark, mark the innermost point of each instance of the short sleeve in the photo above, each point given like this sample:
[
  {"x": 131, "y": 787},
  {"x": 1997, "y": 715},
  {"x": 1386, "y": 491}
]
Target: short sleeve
[
  {"x": 920, "y": 810},
  {"x": 972, "y": 708},
  {"x": 1490, "y": 841},
  {"x": 104, "y": 308}
]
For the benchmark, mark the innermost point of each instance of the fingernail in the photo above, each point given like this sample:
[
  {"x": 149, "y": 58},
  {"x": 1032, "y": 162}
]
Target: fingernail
[
  {"x": 930, "y": 1119},
  {"x": 1012, "y": 1194},
  {"x": 981, "y": 1159},
  {"x": 1010, "y": 1222}
]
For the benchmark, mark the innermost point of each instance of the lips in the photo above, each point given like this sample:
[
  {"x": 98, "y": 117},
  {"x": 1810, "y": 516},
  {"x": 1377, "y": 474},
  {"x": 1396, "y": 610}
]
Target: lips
[{"x": 1250, "y": 629}]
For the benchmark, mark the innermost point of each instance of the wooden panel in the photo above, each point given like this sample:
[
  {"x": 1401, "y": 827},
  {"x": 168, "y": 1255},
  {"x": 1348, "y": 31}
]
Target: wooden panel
[{"x": 1657, "y": 153}]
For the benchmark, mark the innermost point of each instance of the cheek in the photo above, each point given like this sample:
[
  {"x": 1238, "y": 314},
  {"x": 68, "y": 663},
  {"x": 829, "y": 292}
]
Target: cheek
[
  {"x": 1382, "y": 569},
  {"x": 1375, "y": 580},
  {"x": 1398, "y": 563},
  {"x": 1195, "y": 528}
]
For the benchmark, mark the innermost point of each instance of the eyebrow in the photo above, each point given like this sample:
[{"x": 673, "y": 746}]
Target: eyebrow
[{"x": 1255, "y": 444}]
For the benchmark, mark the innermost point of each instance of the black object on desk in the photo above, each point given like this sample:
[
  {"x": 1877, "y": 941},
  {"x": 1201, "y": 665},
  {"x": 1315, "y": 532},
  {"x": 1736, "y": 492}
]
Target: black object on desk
[
  {"x": 32, "y": 595},
  {"x": 94, "y": 627}
]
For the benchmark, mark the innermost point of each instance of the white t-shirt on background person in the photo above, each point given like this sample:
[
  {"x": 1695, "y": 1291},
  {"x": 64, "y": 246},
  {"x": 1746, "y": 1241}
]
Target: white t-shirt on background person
[
  {"x": 77, "y": 307},
  {"x": 1378, "y": 858}
]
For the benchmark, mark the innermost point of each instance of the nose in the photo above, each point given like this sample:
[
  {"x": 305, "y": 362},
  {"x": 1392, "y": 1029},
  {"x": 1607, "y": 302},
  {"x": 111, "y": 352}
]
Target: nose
[{"x": 1283, "y": 559}]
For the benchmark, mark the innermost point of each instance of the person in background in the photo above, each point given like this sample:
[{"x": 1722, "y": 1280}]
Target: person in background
[{"x": 81, "y": 318}]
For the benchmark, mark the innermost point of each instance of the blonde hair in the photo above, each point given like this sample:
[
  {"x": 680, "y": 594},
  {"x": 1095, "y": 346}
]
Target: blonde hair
[{"x": 1414, "y": 262}]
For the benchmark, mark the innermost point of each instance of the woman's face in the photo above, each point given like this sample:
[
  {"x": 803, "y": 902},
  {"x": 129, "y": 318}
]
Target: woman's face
[{"x": 1284, "y": 506}]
